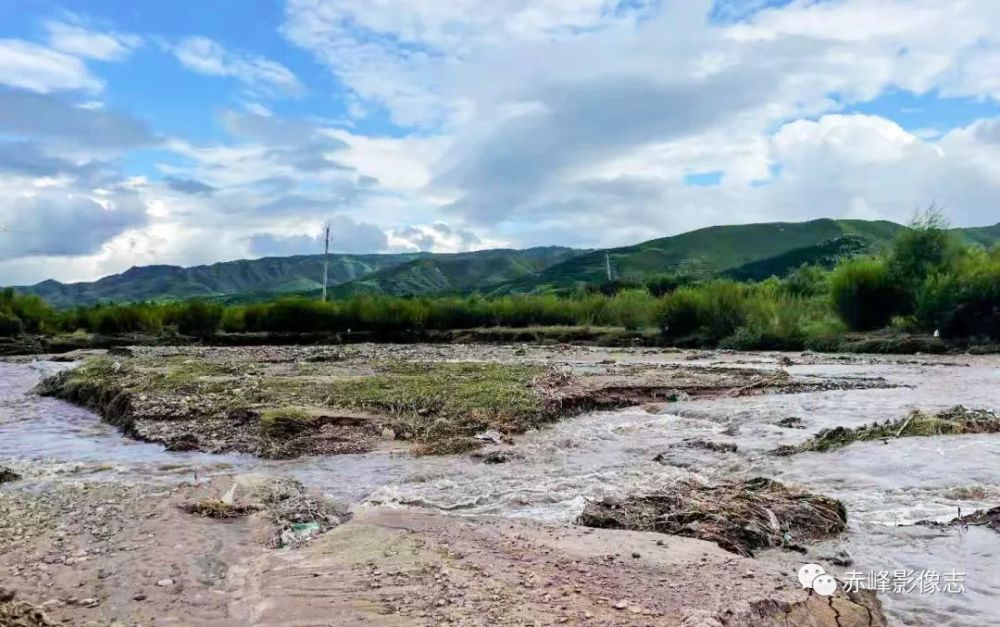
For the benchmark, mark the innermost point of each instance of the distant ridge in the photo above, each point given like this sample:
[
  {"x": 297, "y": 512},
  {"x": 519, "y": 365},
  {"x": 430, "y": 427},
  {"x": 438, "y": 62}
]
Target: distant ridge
[{"x": 748, "y": 251}]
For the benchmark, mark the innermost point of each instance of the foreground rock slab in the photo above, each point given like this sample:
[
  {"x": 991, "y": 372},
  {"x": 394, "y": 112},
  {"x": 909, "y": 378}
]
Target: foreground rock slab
[
  {"x": 108, "y": 554},
  {"x": 402, "y": 568}
]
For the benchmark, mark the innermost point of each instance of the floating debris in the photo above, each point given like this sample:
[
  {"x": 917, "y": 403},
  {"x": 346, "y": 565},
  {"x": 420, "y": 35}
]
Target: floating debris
[
  {"x": 955, "y": 421},
  {"x": 7, "y": 475}
]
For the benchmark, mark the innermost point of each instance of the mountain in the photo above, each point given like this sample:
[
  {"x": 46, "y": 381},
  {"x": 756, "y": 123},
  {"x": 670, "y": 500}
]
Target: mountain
[
  {"x": 704, "y": 252},
  {"x": 751, "y": 251},
  {"x": 460, "y": 272},
  {"x": 164, "y": 283},
  {"x": 720, "y": 249},
  {"x": 264, "y": 279}
]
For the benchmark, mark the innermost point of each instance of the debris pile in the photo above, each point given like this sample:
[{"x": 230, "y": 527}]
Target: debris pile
[
  {"x": 739, "y": 516},
  {"x": 14, "y": 613}
]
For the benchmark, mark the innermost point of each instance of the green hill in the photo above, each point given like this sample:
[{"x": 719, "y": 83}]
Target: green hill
[
  {"x": 165, "y": 283},
  {"x": 720, "y": 249},
  {"x": 461, "y": 272},
  {"x": 704, "y": 252},
  {"x": 826, "y": 254},
  {"x": 264, "y": 279}
]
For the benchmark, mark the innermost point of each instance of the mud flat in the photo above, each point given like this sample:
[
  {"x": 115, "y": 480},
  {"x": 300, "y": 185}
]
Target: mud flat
[
  {"x": 113, "y": 553},
  {"x": 283, "y": 402}
]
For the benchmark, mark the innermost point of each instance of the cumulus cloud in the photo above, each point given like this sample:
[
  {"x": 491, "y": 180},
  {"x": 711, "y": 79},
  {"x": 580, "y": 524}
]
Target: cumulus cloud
[
  {"x": 36, "y": 68},
  {"x": 437, "y": 237},
  {"x": 64, "y": 224},
  {"x": 346, "y": 236},
  {"x": 78, "y": 41},
  {"x": 206, "y": 56}
]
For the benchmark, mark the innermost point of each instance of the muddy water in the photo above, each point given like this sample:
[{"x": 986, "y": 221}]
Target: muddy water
[{"x": 885, "y": 486}]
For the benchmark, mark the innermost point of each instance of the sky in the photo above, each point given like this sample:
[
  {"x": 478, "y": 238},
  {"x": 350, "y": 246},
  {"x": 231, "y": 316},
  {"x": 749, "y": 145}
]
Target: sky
[{"x": 191, "y": 132}]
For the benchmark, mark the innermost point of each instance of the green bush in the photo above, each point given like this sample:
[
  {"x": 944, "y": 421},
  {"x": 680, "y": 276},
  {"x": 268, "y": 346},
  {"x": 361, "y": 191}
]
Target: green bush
[
  {"x": 964, "y": 300},
  {"x": 865, "y": 294},
  {"x": 713, "y": 311},
  {"x": 926, "y": 248},
  {"x": 806, "y": 281},
  {"x": 31, "y": 311},
  {"x": 10, "y": 325},
  {"x": 196, "y": 318}
]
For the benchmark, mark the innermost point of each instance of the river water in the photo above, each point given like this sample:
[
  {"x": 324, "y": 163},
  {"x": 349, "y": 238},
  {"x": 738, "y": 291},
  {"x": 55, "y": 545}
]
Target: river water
[{"x": 885, "y": 487}]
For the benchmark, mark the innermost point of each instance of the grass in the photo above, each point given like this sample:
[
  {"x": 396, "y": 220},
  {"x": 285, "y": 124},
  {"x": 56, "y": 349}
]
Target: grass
[
  {"x": 445, "y": 400},
  {"x": 955, "y": 421}
]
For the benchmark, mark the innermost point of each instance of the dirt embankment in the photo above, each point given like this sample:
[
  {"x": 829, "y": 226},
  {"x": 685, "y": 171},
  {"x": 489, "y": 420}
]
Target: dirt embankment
[
  {"x": 102, "y": 553},
  {"x": 290, "y": 401}
]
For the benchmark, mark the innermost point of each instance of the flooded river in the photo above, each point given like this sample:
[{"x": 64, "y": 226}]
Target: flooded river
[{"x": 884, "y": 486}]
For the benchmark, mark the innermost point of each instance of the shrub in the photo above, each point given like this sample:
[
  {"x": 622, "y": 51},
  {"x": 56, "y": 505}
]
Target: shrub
[
  {"x": 633, "y": 309},
  {"x": 197, "y": 318},
  {"x": 714, "y": 310},
  {"x": 806, "y": 281},
  {"x": 10, "y": 325},
  {"x": 920, "y": 251},
  {"x": 865, "y": 295},
  {"x": 963, "y": 301}
]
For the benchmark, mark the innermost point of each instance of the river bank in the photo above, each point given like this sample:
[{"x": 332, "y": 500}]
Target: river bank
[{"x": 879, "y": 342}]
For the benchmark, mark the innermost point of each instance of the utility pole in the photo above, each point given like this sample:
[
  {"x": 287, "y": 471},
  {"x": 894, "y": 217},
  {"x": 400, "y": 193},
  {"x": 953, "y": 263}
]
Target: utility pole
[
  {"x": 607, "y": 264},
  {"x": 326, "y": 261}
]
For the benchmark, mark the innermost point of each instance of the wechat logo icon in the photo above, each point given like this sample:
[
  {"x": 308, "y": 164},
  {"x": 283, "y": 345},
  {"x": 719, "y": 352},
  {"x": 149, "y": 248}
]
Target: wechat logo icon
[{"x": 813, "y": 577}]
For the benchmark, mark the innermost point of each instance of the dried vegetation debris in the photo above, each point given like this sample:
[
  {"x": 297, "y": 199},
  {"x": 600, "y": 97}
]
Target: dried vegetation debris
[
  {"x": 14, "y": 613},
  {"x": 955, "y": 421},
  {"x": 295, "y": 515},
  {"x": 739, "y": 516}
]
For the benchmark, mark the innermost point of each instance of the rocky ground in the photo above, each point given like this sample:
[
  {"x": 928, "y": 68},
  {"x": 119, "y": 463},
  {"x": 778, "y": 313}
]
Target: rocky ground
[
  {"x": 114, "y": 554},
  {"x": 289, "y": 401}
]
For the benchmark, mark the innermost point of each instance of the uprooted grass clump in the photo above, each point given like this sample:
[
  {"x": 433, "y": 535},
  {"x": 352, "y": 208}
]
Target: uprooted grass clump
[
  {"x": 955, "y": 421},
  {"x": 285, "y": 421},
  {"x": 980, "y": 518},
  {"x": 7, "y": 475},
  {"x": 217, "y": 508},
  {"x": 739, "y": 516},
  {"x": 441, "y": 401}
]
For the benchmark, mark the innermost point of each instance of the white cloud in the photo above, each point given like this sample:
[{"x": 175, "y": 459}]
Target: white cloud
[
  {"x": 532, "y": 122},
  {"x": 33, "y": 67},
  {"x": 81, "y": 42},
  {"x": 206, "y": 56}
]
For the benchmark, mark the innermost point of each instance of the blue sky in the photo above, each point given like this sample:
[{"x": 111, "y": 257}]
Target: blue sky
[{"x": 191, "y": 132}]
